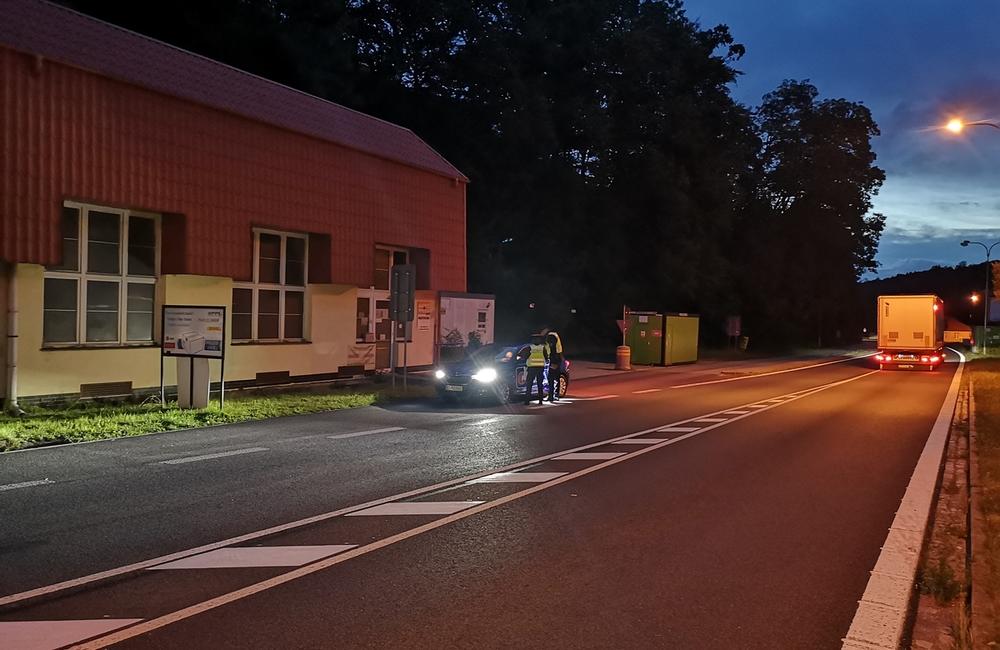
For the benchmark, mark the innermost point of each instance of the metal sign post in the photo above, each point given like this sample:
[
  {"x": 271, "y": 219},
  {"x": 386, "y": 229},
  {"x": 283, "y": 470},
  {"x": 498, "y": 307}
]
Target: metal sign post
[{"x": 402, "y": 291}]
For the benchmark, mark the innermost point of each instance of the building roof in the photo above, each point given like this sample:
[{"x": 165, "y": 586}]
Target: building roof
[{"x": 55, "y": 32}]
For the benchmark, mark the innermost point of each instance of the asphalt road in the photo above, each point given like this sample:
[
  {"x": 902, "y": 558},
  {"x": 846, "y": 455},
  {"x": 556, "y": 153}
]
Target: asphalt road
[{"x": 754, "y": 528}]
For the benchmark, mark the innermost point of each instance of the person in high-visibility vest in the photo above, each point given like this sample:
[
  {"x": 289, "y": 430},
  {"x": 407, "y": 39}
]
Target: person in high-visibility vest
[
  {"x": 554, "y": 343},
  {"x": 538, "y": 356}
]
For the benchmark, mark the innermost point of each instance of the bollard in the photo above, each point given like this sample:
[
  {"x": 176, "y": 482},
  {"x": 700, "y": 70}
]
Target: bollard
[{"x": 623, "y": 358}]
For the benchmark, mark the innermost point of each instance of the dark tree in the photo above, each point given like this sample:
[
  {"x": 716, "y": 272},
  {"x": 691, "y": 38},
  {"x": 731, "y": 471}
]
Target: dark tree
[{"x": 810, "y": 231}]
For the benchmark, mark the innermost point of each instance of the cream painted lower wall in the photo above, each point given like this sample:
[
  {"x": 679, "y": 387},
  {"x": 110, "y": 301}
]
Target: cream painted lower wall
[
  {"x": 421, "y": 348},
  {"x": 330, "y": 328}
]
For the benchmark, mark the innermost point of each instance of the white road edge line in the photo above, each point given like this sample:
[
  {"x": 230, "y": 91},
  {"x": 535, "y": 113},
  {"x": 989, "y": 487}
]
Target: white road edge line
[
  {"x": 25, "y": 484},
  {"x": 880, "y": 619},
  {"x": 369, "y": 432},
  {"x": 239, "y": 594},
  {"x": 774, "y": 372},
  {"x": 221, "y": 454},
  {"x": 170, "y": 557}
]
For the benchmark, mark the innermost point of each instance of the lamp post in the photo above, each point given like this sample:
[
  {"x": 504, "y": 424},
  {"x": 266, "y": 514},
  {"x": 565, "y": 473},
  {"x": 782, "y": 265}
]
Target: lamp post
[
  {"x": 986, "y": 294},
  {"x": 956, "y": 125}
]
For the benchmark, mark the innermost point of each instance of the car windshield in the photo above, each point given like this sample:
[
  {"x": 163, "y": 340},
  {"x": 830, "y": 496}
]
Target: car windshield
[{"x": 487, "y": 353}]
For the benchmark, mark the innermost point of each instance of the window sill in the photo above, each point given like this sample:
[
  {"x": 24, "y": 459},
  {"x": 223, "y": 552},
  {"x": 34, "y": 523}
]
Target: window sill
[
  {"x": 249, "y": 343},
  {"x": 99, "y": 346}
]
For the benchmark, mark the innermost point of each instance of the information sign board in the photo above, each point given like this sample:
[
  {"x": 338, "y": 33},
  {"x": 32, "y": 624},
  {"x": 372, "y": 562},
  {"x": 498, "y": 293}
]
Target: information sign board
[{"x": 194, "y": 331}]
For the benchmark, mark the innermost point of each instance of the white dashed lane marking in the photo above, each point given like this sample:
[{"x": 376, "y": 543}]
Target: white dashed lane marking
[
  {"x": 25, "y": 484},
  {"x": 221, "y": 454},
  {"x": 648, "y": 390},
  {"x": 709, "y": 420},
  {"x": 677, "y": 429},
  {"x": 48, "y": 635},
  {"x": 640, "y": 441},
  {"x": 415, "y": 508},
  {"x": 255, "y": 556},
  {"x": 519, "y": 477},
  {"x": 365, "y": 433},
  {"x": 736, "y": 412},
  {"x": 591, "y": 455}
]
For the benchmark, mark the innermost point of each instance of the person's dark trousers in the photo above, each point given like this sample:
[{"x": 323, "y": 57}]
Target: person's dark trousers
[
  {"x": 554, "y": 371},
  {"x": 534, "y": 376}
]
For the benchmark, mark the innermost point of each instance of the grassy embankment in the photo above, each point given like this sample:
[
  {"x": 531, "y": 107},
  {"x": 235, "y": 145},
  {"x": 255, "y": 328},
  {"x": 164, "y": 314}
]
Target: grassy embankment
[
  {"x": 985, "y": 374},
  {"x": 83, "y": 421}
]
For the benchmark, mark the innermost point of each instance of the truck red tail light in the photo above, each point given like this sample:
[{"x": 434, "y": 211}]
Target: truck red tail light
[
  {"x": 925, "y": 359},
  {"x": 935, "y": 359}
]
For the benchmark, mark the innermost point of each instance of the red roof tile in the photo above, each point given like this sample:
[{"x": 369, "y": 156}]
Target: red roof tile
[{"x": 64, "y": 35}]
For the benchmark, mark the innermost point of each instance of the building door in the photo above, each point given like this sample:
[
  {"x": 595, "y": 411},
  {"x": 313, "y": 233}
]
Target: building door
[{"x": 383, "y": 333}]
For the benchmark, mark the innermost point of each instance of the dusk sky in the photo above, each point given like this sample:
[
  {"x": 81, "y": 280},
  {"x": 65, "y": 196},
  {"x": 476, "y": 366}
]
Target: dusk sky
[{"x": 914, "y": 64}]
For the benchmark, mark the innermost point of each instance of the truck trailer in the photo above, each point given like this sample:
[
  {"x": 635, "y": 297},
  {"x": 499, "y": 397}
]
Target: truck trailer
[{"x": 910, "y": 332}]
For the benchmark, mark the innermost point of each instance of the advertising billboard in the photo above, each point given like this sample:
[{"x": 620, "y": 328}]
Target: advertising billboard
[
  {"x": 194, "y": 331},
  {"x": 465, "y": 318}
]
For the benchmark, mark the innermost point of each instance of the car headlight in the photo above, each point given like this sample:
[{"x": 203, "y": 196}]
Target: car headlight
[
  {"x": 440, "y": 374},
  {"x": 485, "y": 375}
]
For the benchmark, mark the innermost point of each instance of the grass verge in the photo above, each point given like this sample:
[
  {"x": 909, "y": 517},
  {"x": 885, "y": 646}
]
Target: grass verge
[
  {"x": 986, "y": 378},
  {"x": 85, "y": 421}
]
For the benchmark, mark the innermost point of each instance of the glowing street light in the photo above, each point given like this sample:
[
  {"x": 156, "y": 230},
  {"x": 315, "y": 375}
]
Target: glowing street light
[
  {"x": 957, "y": 125},
  {"x": 974, "y": 298}
]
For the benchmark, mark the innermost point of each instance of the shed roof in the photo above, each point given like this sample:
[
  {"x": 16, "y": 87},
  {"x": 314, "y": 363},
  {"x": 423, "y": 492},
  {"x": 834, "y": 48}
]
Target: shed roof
[{"x": 55, "y": 32}]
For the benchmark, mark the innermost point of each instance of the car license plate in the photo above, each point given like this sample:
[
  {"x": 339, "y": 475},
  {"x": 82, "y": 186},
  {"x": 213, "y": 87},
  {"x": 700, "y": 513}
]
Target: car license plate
[
  {"x": 905, "y": 365},
  {"x": 457, "y": 389}
]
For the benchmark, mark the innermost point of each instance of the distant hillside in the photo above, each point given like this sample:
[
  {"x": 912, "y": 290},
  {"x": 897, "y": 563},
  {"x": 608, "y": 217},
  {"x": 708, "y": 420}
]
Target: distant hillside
[{"x": 954, "y": 284}]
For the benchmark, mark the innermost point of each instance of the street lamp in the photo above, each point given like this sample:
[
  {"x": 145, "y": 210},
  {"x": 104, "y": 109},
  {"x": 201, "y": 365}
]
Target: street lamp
[
  {"x": 955, "y": 125},
  {"x": 986, "y": 294}
]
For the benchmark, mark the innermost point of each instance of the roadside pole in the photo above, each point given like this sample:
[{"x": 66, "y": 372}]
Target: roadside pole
[{"x": 402, "y": 288}]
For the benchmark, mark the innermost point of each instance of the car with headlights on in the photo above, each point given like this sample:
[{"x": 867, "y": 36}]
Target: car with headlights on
[{"x": 492, "y": 372}]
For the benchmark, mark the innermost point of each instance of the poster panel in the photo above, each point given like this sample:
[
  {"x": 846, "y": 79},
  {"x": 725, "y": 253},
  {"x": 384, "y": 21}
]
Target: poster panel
[{"x": 194, "y": 331}]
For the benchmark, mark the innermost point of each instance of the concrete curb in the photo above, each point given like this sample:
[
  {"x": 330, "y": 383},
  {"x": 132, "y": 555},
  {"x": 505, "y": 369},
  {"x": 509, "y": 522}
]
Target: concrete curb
[{"x": 882, "y": 615}]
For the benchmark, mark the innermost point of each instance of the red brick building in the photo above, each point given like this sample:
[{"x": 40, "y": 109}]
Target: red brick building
[{"x": 135, "y": 174}]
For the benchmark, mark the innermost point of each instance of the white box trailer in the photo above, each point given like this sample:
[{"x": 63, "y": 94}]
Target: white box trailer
[{"x": 910, "y": 332}]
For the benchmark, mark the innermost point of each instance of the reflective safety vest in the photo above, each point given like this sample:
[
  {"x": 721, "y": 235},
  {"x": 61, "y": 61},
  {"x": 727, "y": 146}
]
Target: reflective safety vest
[{"x": 536, "y": 359}]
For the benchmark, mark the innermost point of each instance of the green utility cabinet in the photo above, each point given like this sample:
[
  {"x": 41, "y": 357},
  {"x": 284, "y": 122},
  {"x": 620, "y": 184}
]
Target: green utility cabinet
[
  {"x": 680, "y": 341},
  {"x": 645, "y": 337},
  {"x": 662, "y": 339}
]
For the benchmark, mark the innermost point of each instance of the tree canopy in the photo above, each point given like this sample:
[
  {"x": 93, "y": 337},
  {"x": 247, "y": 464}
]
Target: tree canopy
[{"x": 609, "y": 163}]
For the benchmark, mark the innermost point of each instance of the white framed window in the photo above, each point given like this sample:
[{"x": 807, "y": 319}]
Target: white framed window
[
  {"x": 372, "y": 319},
  {"x": 103, "y": 291},
  {"x": 272, "y": 307},
  {"x": 387, "y": 257}
]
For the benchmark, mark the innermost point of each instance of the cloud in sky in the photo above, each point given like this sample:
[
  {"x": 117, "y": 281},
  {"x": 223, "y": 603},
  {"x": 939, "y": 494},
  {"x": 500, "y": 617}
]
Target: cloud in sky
[{"x": 914, "y": 63}]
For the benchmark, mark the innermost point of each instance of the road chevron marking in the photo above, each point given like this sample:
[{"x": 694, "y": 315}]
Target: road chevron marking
[{"x": 250, "y": 590}]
